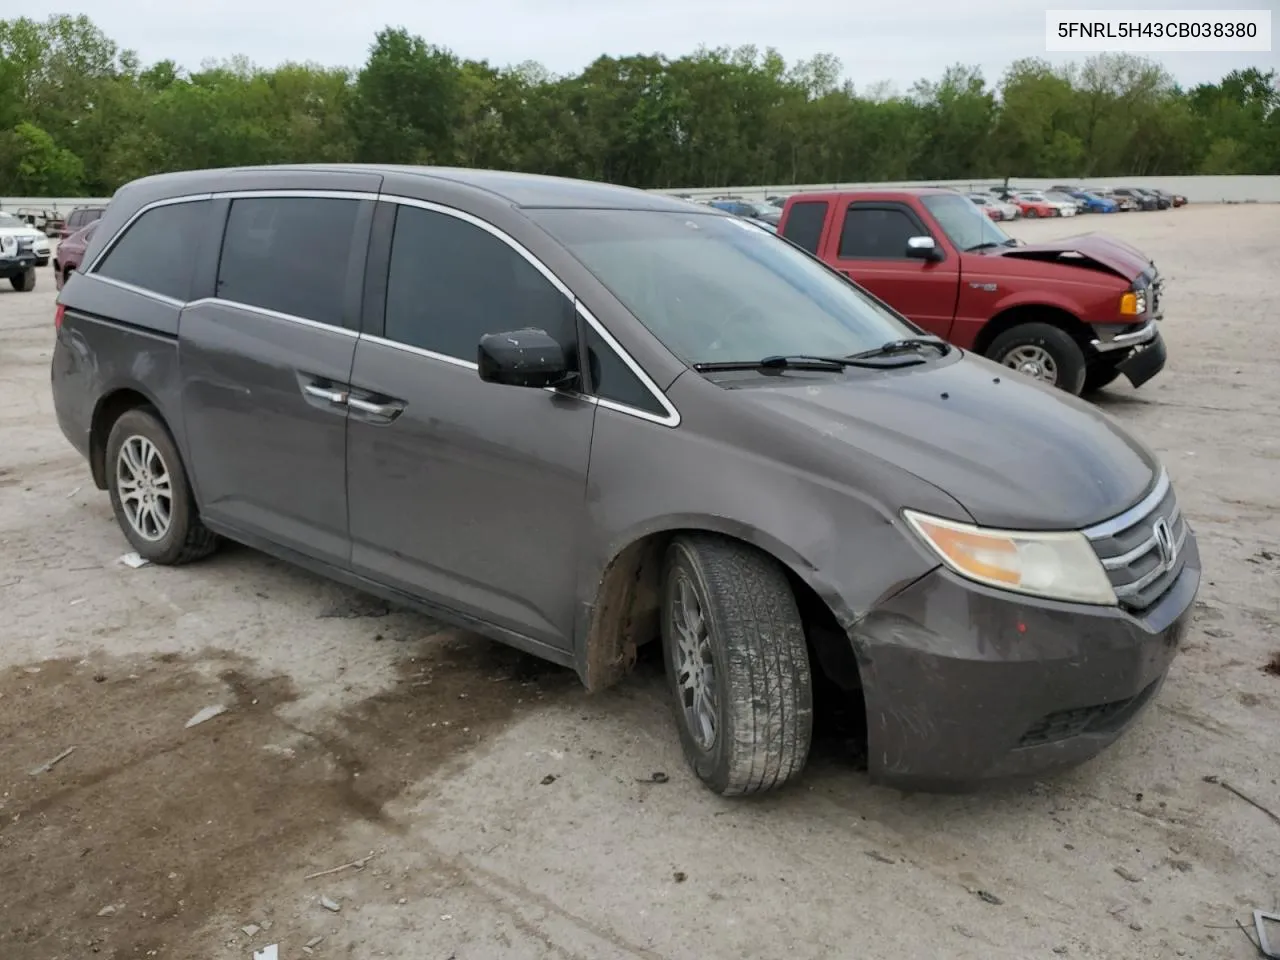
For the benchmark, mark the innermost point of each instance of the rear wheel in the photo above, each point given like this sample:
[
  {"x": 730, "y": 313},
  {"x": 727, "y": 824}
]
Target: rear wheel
[
  {"x": 24, "y": 282},
  {"x": 150, "y": 495},
  {"x": 737, "y": 663},
  {"x": 1041, "y": 351}
]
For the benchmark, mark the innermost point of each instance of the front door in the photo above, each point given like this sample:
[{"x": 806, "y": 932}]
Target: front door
[
  {"x": 264, "y": 365},
  {"x": 871, "y": 249},
  {"x": 468, "y": 494}
]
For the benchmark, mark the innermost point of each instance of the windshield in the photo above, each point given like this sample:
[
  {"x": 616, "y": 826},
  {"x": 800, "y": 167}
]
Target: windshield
[
  {"x": 965, "y": 226},
  {"x": 716, "y": 289}
]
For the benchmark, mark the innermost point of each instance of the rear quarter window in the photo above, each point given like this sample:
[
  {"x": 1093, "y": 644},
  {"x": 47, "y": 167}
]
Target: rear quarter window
[
  {"x": 804, "y": 224},
  {"x": 158, "y": 251}
]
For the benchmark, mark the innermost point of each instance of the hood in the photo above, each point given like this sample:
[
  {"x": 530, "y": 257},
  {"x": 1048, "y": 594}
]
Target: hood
[
  {"x": 1108, "y": 252},
  {"x": 22, "y": 230},
  {"x": 1013, "y": 452}
]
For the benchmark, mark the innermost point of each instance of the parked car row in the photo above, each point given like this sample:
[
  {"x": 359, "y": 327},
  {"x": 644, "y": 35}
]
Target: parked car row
[
  {"x": 52, "y": 224},
  {"x": 578, "y": 418}
]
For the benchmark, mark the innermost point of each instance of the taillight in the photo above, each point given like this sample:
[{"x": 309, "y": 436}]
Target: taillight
[{"x": 57, "y": 317}]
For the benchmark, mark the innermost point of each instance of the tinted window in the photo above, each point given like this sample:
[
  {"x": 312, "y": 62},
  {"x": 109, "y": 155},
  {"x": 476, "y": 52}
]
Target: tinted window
[
  {"x": 159, "y": 250},
  {"x": 289, "y": 254},
  {"x": 877, "y": 233},
  {"x": 452, "y": 282},
  {"x": 804, "y": 224},
  {"x": 612, "y": 379},
  {"x": 714, "y": 288}
]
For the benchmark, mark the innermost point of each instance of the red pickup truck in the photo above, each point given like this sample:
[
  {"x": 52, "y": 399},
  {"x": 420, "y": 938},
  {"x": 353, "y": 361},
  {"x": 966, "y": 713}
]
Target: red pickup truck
[{"x": 1076, "y": 313}]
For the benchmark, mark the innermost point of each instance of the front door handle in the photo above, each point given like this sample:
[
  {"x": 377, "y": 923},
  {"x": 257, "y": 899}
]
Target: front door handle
[
  {"x": 325, "y": 393},
  {"x": 389, "y": 410}
]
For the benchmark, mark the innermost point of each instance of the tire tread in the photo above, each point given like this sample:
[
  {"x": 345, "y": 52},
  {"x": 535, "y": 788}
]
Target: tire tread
[{"x": 768, "y": 664}]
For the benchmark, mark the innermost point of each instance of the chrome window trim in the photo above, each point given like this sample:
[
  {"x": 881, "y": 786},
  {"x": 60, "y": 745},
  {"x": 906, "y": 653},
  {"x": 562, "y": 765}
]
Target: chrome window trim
[
  {"x": 141, "y": 291},
  {"x": 274, "y": 314},
  {"x": 671, "y": 418},
  {"x": 1134, "y": 514}
]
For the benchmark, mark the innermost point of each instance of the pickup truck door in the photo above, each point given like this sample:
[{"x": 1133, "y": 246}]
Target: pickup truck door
[{"x": 868, "y": 243}]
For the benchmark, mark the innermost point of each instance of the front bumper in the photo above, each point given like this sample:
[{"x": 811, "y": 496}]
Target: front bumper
[
  {"x": 16, "y": 266},
  {"x": 965, "y": 685},
  {"x": 1138, "y": 354}
]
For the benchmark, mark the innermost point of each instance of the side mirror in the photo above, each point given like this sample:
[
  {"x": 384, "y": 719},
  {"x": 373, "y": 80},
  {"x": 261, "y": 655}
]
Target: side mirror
[
  {"x": 923, "y": 248},
  {"x": 524, "y": 358}
]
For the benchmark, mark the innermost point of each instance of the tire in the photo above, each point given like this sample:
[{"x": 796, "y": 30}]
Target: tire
[
  {"x": 184, "y": 538},
  {"x": 24, "y": 282},
  {"x": 753, "y": 640},
  {"x": 66, "y": 275},
  {"x": 1052, "y": 343},
  {"x": 1099, "y": 375}
]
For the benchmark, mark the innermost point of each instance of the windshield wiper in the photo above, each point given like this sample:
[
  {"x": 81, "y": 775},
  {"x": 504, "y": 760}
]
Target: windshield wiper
[
  {"x": 797, "y": 361},
  {"x": 901, "y": 346}
]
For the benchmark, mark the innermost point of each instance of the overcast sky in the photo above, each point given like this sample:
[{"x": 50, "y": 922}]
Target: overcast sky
[{"x": 899, "y": 41}]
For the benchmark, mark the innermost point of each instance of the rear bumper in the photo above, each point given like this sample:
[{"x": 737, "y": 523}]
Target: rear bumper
[{"x": 965, "y": 685}]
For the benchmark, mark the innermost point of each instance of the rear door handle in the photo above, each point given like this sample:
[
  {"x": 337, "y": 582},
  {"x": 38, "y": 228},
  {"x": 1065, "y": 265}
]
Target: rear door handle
[{"x": 330, "y": 394}]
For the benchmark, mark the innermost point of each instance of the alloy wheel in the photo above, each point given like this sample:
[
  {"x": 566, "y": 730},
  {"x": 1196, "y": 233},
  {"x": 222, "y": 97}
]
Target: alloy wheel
[{"x": 144, "y": 487}]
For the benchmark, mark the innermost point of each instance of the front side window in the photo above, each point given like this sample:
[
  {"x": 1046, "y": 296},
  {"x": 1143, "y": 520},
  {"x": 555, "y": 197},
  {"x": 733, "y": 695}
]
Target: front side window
[
  {"x": 158, "y": 251},
  {"x": 289, "y": 254},
  {"x": 714, "y": 288},
  {"x": 612, "y": 379},
  {"x": 877, "y": 233},
  {"x": 965, "y": 226},
  {"x": 451, "y": 283}
]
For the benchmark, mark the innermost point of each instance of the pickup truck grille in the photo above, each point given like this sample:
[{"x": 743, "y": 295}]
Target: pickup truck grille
[
  {"x": 25, "y": 244},
  {"x": 1144, "y": 557}
]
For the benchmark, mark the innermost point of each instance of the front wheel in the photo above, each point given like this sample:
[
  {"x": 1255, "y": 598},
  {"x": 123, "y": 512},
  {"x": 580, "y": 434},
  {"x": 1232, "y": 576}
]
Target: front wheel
[
  {"x": 737, "y": 664},
  {"x": 1031, "y": 214},
  {"x": 1041, "y": 351},
  {"x": 24, "y": 282}
]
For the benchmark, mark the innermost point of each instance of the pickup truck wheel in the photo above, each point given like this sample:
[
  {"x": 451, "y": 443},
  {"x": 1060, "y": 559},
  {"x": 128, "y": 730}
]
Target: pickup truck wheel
[
  {"x": 149, "y": 492},
  {"x": 1042, "y": 351},
  {"x": 24, "y": 282},
  {"x": 737, "y": 663}
]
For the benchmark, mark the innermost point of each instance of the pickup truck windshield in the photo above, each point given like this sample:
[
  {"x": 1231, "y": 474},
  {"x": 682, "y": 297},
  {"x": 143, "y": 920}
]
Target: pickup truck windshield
[
  {"x": 966, "y": 226},
  {"x": 715, "y": 289}
]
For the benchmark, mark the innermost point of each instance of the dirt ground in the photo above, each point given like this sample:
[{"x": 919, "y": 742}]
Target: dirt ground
[{"x": 500, "y": 812}]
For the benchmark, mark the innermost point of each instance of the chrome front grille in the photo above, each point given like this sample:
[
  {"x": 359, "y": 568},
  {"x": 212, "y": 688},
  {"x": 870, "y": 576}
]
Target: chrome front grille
[{"x": 1142, "y": 550}]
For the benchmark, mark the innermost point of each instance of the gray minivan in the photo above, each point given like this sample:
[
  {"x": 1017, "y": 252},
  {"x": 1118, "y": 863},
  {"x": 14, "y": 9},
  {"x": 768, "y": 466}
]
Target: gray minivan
[{"x": 577, "y": 418}]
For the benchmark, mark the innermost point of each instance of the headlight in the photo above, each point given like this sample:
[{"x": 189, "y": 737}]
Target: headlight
[
  {"x": 1134, "y": 303},
  {"x": 1058, "y": 566}
]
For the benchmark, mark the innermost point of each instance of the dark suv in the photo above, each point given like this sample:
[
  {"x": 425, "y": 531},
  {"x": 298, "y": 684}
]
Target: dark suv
[
  {"x": 577, "y": 418},
  {"x": 79, "y": 218}
]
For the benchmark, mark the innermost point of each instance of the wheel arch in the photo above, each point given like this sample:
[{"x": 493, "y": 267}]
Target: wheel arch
[
  {"x": 623, "y": 610},
  {"x": 111, "y": 406},
  {"x": 1013, "y": 316}
]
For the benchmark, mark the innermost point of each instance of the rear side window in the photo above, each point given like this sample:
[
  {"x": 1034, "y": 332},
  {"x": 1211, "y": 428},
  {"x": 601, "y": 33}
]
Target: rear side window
[
  {"x": 158, "y": 252},
  {"x": 876, "y": 233},
  {"x": 450, "y": 283},
  {"x": 289, "y": 254},
  {"x": 804, "y": 224},
  {"x": 612, "y": 379}
]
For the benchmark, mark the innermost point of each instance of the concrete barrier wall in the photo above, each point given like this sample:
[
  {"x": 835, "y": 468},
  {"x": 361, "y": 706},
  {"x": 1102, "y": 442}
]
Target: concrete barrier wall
[{"x": 1195, "y": 189}]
